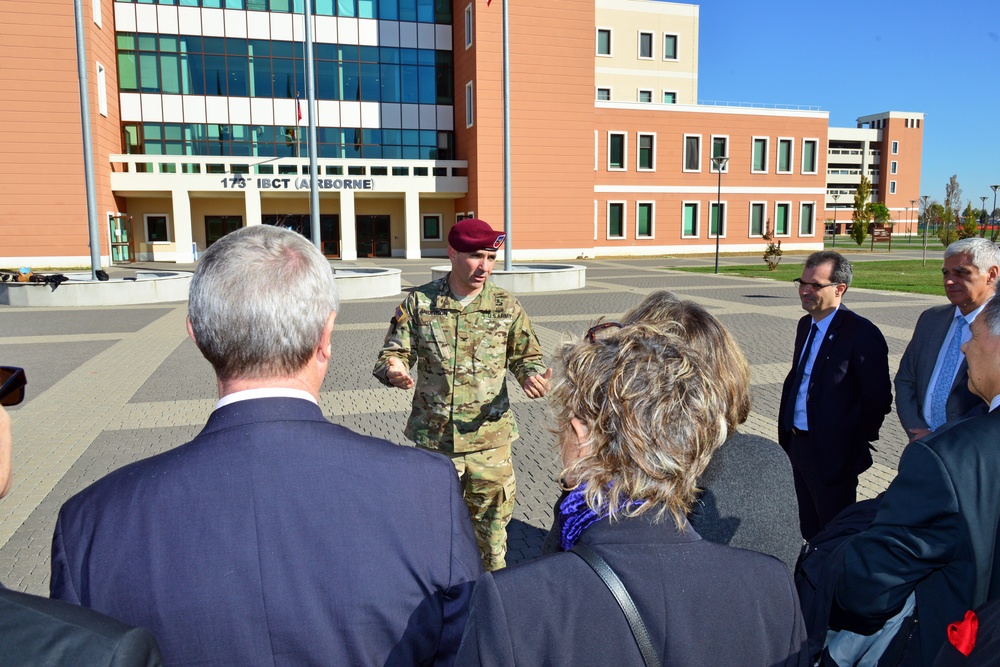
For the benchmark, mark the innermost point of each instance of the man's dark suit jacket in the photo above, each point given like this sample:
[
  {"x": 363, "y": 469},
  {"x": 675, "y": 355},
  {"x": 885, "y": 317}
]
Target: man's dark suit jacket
[
  {"x": 917, "y": 366},
  {"x": 703, "y": 604},
  {"x": 935, "y": 532},
  {"x": 40, "y": 631},
  {"x": 848, "y": 398},
  {"x": 276, "y": 538}
]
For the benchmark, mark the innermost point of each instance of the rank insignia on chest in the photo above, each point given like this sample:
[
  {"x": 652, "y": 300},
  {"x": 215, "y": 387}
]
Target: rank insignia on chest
[{"x": 498, "y": 301}]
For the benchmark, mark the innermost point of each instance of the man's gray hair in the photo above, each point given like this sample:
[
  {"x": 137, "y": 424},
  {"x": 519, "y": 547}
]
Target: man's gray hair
[
  {"x": 990, "y": 314},
  {"x": 259, "y": 301},
  {"x": 840, "y": 272},
  {"x": 983, "y": 252}
]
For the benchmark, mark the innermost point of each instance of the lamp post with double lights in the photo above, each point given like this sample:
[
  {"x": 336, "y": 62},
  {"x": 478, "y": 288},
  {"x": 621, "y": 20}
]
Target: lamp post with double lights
[
  {"x": 835, "y": 198},
  {"x": 923, "y": 199},
  {"x": 719, "y": 162}
]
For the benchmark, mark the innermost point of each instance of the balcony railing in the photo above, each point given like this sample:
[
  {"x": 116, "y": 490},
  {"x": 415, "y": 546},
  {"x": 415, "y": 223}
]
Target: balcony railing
[{"x": 202, "y": 164}]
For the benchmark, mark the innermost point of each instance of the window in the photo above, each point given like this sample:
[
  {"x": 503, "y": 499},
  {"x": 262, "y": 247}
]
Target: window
[
  {"x": 807, "y": 219},
  {"x": 892, "y": 187},
  {"x": 646, "y": 158},
  {"x": 720, "y": 148},
  {"x": 468, "y": 26},
  {"x": 757, "y": 211},
  {"x": 645, "y": 95},
  {"x": 784, "y": 156},
  {"x": 468, "y": 104},
  {"x": 714, "y": 223},
  {"x": 604, "y": 94},
  {"x": 646, "y": 45},
  {"x": 217, "y": 226},
  {"x": 670, "y": 47},
  {"x": 809, "y": 156},
  {"x": 892, "y": 167},
  {"x": 96, "y": 6},
  {"x": 781, "y": 219},
  {"x": 604, "y": 41},
  {"x": 616, "y": 220},
  {"x": 157, "y": 227},
  {"x": 759, "y": 165},
  {"x": 895, "y": 147},
  {"x": 616, "y": 151},
  {"x": 692, "y": 152},
  {"x": 644, "y": 220},
  {"x": 689, "y": 222},
  {"x": 430, "y": 228},
  {"x": 102, "y": 92},
  {"x": 669, "y": 97}
]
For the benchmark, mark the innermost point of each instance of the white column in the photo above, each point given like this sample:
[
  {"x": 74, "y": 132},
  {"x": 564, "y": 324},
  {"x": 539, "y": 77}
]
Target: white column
[
  {"x": 252, "y": 196},
  {"x": 182, "y": 226},
  {"x": 348, "y": 227},
  {"x": 412, "y": 220}
]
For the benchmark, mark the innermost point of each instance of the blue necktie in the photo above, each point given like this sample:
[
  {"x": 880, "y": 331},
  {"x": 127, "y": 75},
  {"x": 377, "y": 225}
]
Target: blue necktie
[
  {"x": 946, "y": 376},
  {"x": 800, "y": 372}
]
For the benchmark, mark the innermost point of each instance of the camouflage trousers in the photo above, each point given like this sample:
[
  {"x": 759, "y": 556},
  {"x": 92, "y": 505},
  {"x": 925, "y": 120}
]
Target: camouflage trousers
[{"x": 487, "y": 479}]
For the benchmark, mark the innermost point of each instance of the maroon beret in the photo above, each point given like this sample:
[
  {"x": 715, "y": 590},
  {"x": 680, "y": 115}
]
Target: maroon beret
[{"x": 472, "y": 234}]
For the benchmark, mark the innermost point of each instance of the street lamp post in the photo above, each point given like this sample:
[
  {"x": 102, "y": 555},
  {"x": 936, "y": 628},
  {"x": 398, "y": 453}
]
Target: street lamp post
[
  {"x": 909, "y": 225},
  {"x": 924, "y": 199},
  {"x": 982, "y": 218},
  {"x": 993, "y": 218},
  {"x": 835, "y": 198},
  {"x": 719, "y": 162}
]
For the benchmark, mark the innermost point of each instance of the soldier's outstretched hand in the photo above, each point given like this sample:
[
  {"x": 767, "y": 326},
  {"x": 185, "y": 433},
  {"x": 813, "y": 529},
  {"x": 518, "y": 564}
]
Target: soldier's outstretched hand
[
  {"x": 537, "y": 386},
  {"x": 398, "y": 375}
]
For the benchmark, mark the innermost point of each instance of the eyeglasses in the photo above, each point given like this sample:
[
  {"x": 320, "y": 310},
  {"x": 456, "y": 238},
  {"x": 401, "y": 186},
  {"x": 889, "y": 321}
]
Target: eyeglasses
[
  {"x": 799, "y": 283},
  {"x": 597, "y": 328},
  {"x": 12, "y": 381}
]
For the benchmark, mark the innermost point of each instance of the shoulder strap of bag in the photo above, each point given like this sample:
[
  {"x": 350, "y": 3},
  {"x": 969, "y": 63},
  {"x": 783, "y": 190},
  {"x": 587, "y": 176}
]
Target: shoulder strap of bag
[{"x": 617, "y": 588}]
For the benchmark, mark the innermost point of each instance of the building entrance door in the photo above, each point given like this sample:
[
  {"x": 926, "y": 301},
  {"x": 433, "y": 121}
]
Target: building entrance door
[
  {"x": 329, "y": 229},
  {"x": 120, "y": 227},
  {"x": 373, "y": 236}
]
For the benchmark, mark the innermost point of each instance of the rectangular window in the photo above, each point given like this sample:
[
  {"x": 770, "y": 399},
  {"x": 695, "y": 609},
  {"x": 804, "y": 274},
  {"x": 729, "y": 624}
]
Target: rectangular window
[
  {"x": 757, "y": 211},
  {"x": 157, "y": 227},
  {"x": 784, "y": 156},
  {"x": 102, "y": 91},
  {"x": 720, "y": 148},
  {"x": 692, "y": 152},
  {"x": 645, "y": 96},
  {"x": 96, "y": 7},
  {"x": 809, "y": 156},
  {"x": 646, "y": 152},
  {"x": 807, "y": 220},
  {"x": 689, "y": 226},
  {"x": 895, "y": 147},
  {"x": 616, "y": 220},
  {"x": 714, "y": 223},
  {"x": 781, "y": 219},
  {"x": 468, "y": 26},
  {"x": 616, "y": 151},
  {"x": 431, "y": 227},
  {"x": 468, "y": 104},
  {"x": 644, "y": 220},
  {"x": 892, "y": 167},
  {"x": 759, "y": 155},
  {"x": 604, "y": 41},
  {"x": 604, "y": 94},
  {"x": 646, "y": 45},
  {"x": 892, "y": 187},
  {"x": 670, "y": 47},
  {"x": 669, "y": 97}
]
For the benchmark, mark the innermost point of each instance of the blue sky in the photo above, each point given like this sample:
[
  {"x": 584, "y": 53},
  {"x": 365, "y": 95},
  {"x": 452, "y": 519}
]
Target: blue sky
[{"x": 855, "y": 58}]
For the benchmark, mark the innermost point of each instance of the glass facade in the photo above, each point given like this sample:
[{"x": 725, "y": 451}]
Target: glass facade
[{"x": 423, "y": 11}]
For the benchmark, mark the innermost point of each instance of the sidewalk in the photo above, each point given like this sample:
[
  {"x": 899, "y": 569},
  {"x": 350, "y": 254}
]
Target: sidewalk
[{"x": 113, "y": 385}]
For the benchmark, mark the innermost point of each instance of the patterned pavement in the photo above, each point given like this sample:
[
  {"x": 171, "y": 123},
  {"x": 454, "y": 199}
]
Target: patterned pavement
[{"x": 108, "y": 386}]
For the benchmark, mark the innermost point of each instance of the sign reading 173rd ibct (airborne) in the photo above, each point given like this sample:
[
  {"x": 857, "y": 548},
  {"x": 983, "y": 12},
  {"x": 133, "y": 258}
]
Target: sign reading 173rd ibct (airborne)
[{"x": 240, "y": 182}]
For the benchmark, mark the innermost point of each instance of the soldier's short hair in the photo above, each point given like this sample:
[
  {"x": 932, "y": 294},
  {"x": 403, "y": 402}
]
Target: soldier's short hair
[
  {"x": 258, "y": 302},
  {"x": 983, "y": 253},
  {"x": 653, "y": 417},
  {"x": 705, "y": 333}
]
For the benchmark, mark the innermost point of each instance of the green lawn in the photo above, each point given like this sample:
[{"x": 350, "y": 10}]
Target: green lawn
[{"x": 892, "y": 275}]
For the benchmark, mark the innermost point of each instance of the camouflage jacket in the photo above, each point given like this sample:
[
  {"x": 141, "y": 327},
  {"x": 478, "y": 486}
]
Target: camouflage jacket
[{"x": 460, "y": 403}]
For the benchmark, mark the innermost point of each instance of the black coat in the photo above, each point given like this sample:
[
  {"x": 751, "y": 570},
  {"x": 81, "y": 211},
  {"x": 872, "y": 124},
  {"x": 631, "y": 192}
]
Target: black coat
[{"x": 703, "y": 604}]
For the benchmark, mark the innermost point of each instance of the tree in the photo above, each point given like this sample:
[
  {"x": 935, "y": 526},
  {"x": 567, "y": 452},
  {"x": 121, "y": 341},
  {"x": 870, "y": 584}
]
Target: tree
[
  {"x": 952, "y": 201},
  {"x": 881, "y": 214},
  {"x": 861, "y": 218},
  {"x": 772, "y": 253},
  {"x": 967, "y": 226}
]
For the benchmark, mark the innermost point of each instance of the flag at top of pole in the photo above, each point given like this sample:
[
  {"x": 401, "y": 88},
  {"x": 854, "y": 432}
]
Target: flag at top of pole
[
  {"x": 488, "y": 2},
  {"x": 298, "y": 107}
]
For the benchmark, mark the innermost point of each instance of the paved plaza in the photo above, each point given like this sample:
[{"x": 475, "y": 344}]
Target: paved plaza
[{"x": 108, "y": 386}]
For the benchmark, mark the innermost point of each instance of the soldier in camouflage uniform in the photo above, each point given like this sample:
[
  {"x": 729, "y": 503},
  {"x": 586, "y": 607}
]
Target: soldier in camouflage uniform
[{"x": 465, "y": 332}]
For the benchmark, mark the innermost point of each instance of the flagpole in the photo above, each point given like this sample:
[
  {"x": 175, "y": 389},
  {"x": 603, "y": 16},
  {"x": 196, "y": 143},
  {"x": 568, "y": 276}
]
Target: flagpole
[
  {"x": 88, "y": 149},
  {"x": 508, "y": 245},
  {"x": 311, "y": 124}
]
